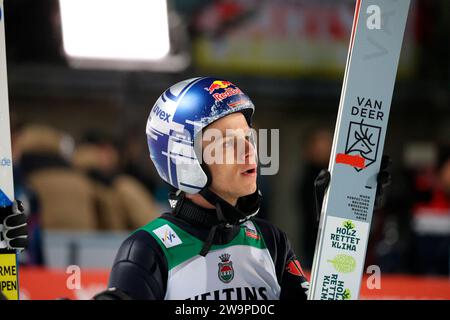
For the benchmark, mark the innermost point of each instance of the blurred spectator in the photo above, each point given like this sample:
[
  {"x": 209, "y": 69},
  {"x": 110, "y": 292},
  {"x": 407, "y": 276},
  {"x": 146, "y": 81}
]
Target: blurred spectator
[
  {"x": 317, "y": 155},
  {"x": 122, "y": 202},
  {"x": 390, "y": 242},
  {"x": 431, "y": 222},
  {"x": 135, "y": 161},
  {"x": 66, "y": 197},
  {"x": 107, "y": 204}
]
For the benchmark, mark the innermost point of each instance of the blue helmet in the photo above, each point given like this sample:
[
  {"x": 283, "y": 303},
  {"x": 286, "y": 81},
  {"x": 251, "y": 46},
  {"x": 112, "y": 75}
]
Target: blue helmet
[{"x": 178, "y": 115}]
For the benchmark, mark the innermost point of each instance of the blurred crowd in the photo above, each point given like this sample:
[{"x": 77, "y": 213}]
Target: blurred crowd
[
  {"x": 411, "y": 233},
  {"x": 84, "y": 185}
]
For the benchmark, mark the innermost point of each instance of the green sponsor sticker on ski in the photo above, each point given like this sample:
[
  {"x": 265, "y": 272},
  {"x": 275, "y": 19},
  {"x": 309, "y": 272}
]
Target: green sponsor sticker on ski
[
  {"x": 348, "y": 225},
  {"x": 347, "y": 295},
  {"x": 343, "y": 263}
]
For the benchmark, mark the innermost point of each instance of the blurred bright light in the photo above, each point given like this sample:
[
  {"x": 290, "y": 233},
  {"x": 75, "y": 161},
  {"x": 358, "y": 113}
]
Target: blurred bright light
[{"x": 115, "y": 30}]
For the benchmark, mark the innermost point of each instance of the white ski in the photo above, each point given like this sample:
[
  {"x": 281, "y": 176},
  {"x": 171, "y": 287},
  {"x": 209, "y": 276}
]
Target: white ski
[
  {"x": 9, "y": 285},
  {"x": 374, "y": 50}
]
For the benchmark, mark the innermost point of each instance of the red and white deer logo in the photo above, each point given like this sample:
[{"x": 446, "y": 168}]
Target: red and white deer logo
[{"x": 361, "y": 149}]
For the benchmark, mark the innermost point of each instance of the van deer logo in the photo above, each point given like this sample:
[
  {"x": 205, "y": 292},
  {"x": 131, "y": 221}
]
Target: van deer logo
[
  {"x": 361, "y": 149},
  {"x": 226, "y": 272}
]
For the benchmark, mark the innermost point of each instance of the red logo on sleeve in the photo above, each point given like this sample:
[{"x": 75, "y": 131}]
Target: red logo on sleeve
[{"x": 294, "y": 267}]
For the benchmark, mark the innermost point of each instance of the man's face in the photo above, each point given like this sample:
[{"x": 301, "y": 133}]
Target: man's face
[{"x": 231, "y": 157}]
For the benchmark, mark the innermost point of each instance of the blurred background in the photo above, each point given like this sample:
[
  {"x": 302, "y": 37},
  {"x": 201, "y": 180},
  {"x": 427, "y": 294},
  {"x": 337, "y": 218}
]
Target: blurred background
[{"x": 83, "y": 76}]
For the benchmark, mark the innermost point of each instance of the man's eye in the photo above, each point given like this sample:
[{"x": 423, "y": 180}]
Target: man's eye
[{"x": 249, "y": 135}]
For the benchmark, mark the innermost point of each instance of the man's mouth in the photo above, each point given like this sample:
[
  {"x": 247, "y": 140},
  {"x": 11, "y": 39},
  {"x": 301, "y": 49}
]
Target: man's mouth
[{"x": 249, "y": 172}]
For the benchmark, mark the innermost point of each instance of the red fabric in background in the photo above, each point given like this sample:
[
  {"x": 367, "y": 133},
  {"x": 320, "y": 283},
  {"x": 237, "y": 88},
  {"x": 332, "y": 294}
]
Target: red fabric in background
[
  {"x": 44, "y": 284},
  {"x": 49, "y": 284},
  {"x": 394, "y": 287}
]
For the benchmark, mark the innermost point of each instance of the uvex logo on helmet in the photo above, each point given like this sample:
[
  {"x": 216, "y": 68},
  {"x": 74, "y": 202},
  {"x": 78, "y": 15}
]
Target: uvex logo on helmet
[{"x": 161, "y": 114}]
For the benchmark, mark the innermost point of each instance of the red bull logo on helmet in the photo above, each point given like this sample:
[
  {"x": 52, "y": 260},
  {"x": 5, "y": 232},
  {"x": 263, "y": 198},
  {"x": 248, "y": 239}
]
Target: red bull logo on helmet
[
  {"x": 218, "y": 84},
  {"x": 225, "y": 86}
]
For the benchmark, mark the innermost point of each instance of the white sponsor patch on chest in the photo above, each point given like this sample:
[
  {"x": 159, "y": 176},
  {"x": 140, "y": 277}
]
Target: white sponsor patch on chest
[{"x": 167, "y": 236}]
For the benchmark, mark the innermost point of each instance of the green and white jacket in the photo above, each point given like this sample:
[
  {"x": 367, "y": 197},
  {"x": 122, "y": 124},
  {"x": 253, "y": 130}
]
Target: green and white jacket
[{"x": 252, "y": 261}]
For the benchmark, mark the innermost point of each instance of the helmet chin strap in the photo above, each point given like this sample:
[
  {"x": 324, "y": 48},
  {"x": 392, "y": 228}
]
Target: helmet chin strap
[
  {"x": 246, "y": 207},
  {"x": 229, "y": 215}
]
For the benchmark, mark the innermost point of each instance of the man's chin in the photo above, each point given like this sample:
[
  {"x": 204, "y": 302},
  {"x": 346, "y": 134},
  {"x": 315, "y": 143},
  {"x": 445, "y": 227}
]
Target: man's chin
[{"x": 250, "y": 190}]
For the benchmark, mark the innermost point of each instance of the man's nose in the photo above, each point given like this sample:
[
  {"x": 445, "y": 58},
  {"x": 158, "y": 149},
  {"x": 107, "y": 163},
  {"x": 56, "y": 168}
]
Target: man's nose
[{"x": 249, "y": 152}]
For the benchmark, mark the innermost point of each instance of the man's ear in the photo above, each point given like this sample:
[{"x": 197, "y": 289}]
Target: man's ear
[
  {"x": 198, "y": 149},
  {"x": 208, "y": 174}
]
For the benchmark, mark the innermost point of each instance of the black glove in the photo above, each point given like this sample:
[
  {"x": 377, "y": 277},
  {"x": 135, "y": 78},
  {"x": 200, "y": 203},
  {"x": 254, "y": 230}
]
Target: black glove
[
  {"x": 323, "y": 180},
  {"x": 112, "y": 294},
  {"x": 14, "y": 232}
]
